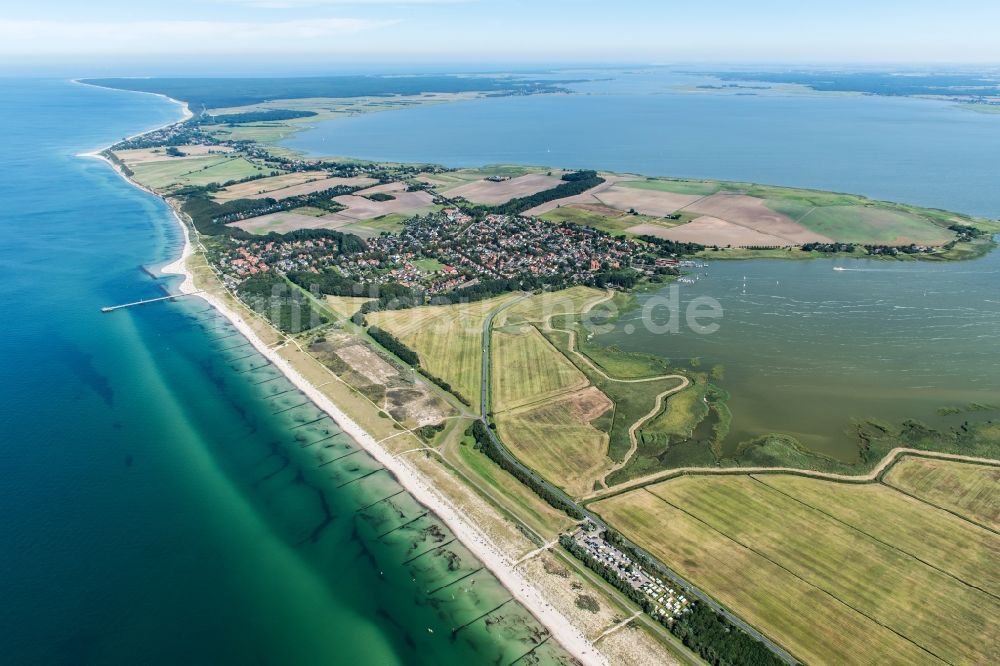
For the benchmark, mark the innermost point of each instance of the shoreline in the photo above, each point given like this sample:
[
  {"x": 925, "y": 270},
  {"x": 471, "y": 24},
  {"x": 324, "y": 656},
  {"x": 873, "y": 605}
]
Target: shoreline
[{"x": 562, "y": 630}]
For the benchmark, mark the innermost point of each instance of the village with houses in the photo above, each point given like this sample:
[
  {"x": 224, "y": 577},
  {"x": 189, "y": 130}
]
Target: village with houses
[{"x": 451, "y": 249}]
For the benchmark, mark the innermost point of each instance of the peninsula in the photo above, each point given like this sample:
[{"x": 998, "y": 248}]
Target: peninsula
[{"x": 447, "y": 319}]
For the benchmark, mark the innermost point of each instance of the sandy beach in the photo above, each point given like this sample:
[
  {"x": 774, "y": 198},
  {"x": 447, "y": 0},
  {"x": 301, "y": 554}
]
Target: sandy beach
[{"x": 571, "y": 638}]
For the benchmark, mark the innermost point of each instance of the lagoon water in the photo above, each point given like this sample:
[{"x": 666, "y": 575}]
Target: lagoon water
[
  {"x": 805, "y": 349},
  {"x": 162, "y": 500},
  {"x": 917, "y": 151}
]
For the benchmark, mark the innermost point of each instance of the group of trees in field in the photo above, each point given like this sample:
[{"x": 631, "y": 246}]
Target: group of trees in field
[
  {"x": 573, "y": 183},
  {"x": 328, "y": 281},
  {"x": 394, "y": 345},
  {"x": 828, "y": 247},
  {"x": 667, "y": 248},
  {"x": 410, "y": 357},
  {"x": 284, "y": 305},
  {"x": 210, "y": 217}
]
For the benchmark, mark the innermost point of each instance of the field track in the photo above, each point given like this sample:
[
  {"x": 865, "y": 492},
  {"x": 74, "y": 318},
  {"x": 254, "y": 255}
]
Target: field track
[
  {"x": 870, "y": 477},
  {"x": 657, "y": 407}
]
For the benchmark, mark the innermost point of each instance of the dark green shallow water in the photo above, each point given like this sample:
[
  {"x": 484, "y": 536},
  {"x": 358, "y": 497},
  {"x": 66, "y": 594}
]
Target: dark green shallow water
[
  {"x": 168, "y": 497},
  {"x": 806, "y": 348}
]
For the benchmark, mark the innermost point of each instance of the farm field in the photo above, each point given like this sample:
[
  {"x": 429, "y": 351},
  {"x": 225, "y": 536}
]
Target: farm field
[
  {"x": 811, "y": 562},
  {"x": 747, "y": 215},
  {"x": 655, "y": 202},
  {"x": 931, "y": 535},
  {"x": 968, "y": 490},
  {"x": 708, "y": 230},
  {"x": 556, "y": 438},
  {"x": 448, "y": 339},
  {"x": 528, "y": 368},
  {"x": 551, "y": 303},
  {"x": 611, "y": 221},
  {"x": 346, "y": 306},
  {"x": 493, "y": 192},
  {"x": 139, "y": 155},
  {"x": 615, "y": 377},
  {"x": 284, "y": 221},
  {"x": 286, "y": 185},
  {"x": 162, "y": 175},
  {"x": 697, "y": 187},
  {"x": 359, "y": 207},
  {"x": 866, "y": 224}
]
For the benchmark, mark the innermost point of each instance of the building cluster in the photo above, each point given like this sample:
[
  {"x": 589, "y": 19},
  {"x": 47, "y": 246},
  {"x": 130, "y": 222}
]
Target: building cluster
[
  {"x": 665, "y": 600},
  {"x": 239, "y": 259},
  {"x": 450, "y": 250}
]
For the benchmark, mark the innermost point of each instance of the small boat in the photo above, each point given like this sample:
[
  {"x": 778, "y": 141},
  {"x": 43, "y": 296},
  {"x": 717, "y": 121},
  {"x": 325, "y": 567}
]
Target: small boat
[{"x": 839, "y": 268}]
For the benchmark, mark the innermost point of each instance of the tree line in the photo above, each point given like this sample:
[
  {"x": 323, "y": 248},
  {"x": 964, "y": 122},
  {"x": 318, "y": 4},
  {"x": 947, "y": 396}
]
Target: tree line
[
  {"x": 251, "y": 117},
  {"x": 394, "y": 345},
  {"x": 573, "y": 183},
  {"x": 489, "y": 446}
]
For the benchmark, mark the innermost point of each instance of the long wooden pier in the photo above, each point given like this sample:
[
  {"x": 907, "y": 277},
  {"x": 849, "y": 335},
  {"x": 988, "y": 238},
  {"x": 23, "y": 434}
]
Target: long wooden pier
[{"x": 112, "y": 308}]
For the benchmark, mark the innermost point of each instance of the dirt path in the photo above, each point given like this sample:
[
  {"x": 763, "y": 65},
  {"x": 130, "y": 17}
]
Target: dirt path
[
  {"x": 658, "y": 405},
  {"x": 870, "y": 477}
]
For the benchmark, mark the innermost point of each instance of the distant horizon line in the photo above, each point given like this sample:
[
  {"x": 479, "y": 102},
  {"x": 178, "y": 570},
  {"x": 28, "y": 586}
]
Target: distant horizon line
[{"x": 169, "y": 67}]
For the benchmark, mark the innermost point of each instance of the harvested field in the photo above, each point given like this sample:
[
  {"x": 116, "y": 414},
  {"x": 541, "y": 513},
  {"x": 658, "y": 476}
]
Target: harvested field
[
  {"x": 448, "y": 339},
  {"x": 194, "y": 171},
  {"x": 588, "y": 197},
  {"x": 490, "y": 192},
  {"x": 752, "y": 213},
  {"x": 384, "y": 188},
  {"x": 139, "y": 155},
  {"x": 813, "y": 626},
  {"x": 528, "y": 369},
  {"x": 708, "y": 230},
  {"x": 931, "y": 535},
  {"x": 284, "y": 222},
  {"x": 257, "y": 188},
  {"x": 286, "y": 185},
  {"x": 413, "y": 404},
  {"x": 971, "y": 491},
  {"x": 610, "y": 220},
  {"x": 870, "y": 224},
  {"x": 698, "y": 187},
  {"x": 863, "y": 571},
  {"x": 556, "y": 439},
  {"x": 357, "y": 207},
  {"x": 551, "y": 303},
  {"x": 657, "y": 203},
  {"x": 346, "y": 306}
]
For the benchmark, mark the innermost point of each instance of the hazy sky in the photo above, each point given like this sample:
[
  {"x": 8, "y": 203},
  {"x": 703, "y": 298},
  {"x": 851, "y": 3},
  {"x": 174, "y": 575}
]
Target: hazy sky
[{"x": 512, "y": 31}]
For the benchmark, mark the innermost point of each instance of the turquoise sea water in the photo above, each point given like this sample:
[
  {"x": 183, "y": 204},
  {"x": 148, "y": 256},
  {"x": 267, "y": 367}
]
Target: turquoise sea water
[{"x": 162, "y": 497}]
